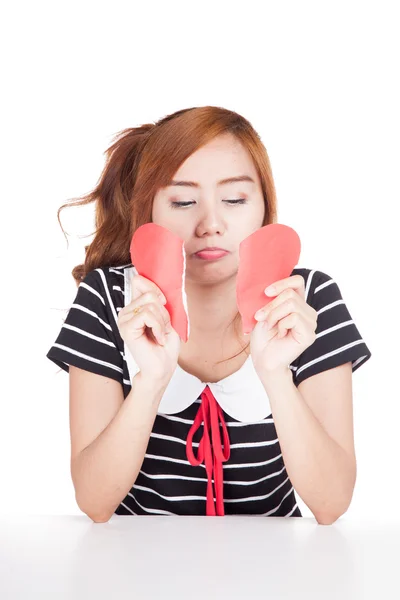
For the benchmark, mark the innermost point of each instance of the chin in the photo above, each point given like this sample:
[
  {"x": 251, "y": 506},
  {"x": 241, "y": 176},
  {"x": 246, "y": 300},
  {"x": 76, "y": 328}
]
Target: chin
[{"x": 211, "y": 273}]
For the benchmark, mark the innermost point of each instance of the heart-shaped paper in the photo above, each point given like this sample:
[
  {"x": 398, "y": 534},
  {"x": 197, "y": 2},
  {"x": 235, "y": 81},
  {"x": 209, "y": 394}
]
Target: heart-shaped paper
[
  {"x": 267, "y": 255},
  {"x": 159, "y": 255}
]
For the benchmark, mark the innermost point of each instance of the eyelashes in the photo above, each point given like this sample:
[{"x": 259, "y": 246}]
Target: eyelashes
[{"x": 184, "y": 204}]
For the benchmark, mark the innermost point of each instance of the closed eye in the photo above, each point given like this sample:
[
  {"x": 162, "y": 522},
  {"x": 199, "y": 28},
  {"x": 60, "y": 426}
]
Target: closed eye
[{"x": 235, "y": 201}]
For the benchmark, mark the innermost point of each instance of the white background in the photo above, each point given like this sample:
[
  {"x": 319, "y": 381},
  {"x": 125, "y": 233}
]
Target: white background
[{"x": 319, "y": 81}]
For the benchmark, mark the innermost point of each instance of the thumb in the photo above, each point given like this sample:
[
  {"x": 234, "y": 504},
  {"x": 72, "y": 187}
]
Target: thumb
[{"x": 135, "y": 292}]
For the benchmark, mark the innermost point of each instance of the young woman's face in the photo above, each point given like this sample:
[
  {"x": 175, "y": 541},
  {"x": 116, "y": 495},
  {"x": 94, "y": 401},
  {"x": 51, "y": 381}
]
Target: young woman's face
[{"x": 211, "y": 214}]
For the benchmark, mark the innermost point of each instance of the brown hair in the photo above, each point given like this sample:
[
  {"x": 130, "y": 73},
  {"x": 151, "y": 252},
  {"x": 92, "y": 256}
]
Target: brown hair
[{"x": 143, "y": 159}]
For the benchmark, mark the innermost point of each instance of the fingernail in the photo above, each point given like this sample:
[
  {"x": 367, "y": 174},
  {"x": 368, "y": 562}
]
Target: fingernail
[
  {"x": 270, "y": 291},
  {"x": 259, "y": 314},
  {"x": 162, "y": 298}
]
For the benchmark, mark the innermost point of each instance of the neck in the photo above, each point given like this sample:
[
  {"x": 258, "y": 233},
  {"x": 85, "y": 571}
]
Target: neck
[{"x": 211, "y": 309}]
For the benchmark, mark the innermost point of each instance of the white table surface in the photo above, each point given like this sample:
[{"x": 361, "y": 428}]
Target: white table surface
[{"x": 192, "y": 557}]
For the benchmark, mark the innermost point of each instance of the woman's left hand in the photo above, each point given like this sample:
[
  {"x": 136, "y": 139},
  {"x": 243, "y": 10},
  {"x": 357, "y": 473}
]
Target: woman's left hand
[{"x": 292, "y": 324}]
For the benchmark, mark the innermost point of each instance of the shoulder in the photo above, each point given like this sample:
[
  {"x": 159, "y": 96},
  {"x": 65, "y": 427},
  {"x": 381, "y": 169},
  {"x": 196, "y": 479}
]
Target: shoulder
[
  {"x": 106, "y": 276},
  {"x": 107, "y": 283}
]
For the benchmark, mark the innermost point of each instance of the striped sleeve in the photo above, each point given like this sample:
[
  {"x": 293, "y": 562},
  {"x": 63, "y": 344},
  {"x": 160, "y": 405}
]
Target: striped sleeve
[
  {"x": 88, "y": 339},
  {"x": 338, "y": 339}
]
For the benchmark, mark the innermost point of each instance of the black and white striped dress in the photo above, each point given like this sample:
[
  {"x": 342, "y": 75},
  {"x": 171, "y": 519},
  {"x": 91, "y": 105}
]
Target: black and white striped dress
[{"x": 243, "y": 472}]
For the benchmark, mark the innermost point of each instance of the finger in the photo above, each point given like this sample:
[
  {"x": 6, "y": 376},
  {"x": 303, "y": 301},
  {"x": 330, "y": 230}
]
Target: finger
[
  {"x": 128, "y": 312},
  {"x": 152, "y": 300},
  {"x": 282, "y": 331},
  {"x": 135, "y": 292},
  {"x": 155, "y": 307},
  {"x": 285, "y": 306},
  {"x": 295, "y": 282},
  {"x": 147, "y": 318},
  {"x": 162, "y": 313},
  {"x": 267, "y": 309},
  {"x": 146, "y": 298},
  {"x": 140, "y": 285}
]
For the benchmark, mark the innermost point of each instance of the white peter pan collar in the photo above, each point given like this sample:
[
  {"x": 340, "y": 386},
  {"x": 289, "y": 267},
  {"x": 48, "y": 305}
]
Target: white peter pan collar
[{"x": 241, "y": 395}]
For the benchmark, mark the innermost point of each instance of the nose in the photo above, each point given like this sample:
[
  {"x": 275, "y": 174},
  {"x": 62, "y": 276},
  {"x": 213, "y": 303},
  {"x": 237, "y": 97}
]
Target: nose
[{"x": 210, "y": 223}]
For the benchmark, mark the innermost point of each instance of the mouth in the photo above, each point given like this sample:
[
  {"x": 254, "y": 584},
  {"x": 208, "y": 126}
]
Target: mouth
[{"x": 211, "y": 254}]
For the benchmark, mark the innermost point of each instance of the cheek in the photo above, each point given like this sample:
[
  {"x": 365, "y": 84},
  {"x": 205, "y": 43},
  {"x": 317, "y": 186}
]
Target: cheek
[
  {"x": 247, "y": 228},
  {"x": 164, "y": 216},
  {"x": 254, "y": 218}
]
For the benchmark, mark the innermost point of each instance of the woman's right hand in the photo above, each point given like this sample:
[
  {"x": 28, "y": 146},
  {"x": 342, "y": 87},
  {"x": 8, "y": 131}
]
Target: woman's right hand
[{"x": 149, "y": 335}]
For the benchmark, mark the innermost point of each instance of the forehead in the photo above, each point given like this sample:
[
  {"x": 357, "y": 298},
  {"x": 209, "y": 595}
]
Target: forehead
[{"x": 222, "y": 161}]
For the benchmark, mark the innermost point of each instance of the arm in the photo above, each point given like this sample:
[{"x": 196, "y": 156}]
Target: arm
[
  {"x": 321, "y": 471},
  {"x": 104, "y": 472}
]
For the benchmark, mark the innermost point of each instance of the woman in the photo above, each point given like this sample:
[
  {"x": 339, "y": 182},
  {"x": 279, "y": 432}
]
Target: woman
[{"x": 134, "y": 438}]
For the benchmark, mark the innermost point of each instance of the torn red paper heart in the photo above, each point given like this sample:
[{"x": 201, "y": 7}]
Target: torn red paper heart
[
  {"x": 159, "y": 255},
  {"x": 267, "y": 255}
]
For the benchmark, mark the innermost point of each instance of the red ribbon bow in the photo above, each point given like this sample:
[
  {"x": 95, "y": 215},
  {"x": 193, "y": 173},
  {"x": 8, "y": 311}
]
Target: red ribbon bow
[{"x": 210, "y": 413}]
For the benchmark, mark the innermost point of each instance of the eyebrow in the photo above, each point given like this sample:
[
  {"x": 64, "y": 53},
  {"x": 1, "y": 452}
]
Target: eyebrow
[{"x": 194, "y": 184}]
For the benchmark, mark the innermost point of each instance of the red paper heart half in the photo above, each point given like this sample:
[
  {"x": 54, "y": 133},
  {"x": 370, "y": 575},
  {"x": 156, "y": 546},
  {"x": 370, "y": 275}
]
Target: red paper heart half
[
  {"x": 267, "y": 255},
  {"x": 159, "y": 255}
]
